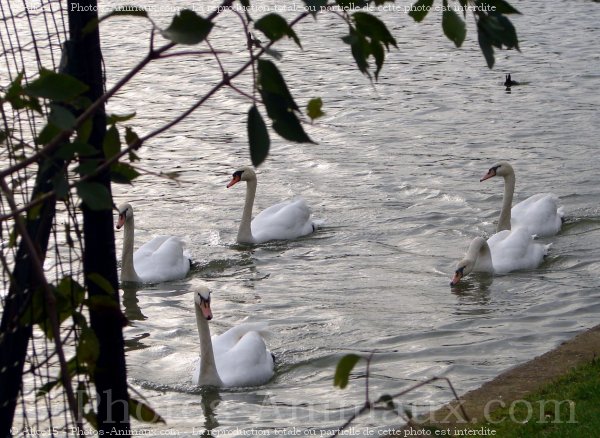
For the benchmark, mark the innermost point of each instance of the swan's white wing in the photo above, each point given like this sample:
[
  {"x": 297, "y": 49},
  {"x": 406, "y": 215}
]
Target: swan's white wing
[
  {"x": 286, "y": 220},
  {"x": 161, "y": 259},
  {"x": 515, "y": 249},
  {"x": 228, "y": 340},
  {"x": 248, "y": 363},
  {"x": 540, "y": 214}
]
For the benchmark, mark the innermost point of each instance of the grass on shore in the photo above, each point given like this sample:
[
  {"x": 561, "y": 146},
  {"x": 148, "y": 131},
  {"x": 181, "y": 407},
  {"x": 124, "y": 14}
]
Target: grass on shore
[{"x": 568, "y": 407}]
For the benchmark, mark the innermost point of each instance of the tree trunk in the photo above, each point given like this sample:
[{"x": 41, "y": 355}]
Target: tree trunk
[{"x": 99, "y": 240}]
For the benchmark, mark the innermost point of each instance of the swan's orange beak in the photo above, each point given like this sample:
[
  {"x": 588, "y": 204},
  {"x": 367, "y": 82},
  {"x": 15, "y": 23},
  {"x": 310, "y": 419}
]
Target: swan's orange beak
[
  {"x": 236, "y": 179},
  {"x": 491, "y": 173},
  {"x": 205, "y": 308},
  {"x": 456, "y": 278},
  {"x": 121, "y": 221}
]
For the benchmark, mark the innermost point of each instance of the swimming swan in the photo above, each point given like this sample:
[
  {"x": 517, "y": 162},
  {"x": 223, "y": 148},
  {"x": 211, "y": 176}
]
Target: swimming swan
[
  {"x": 161, "y": 259},
  {"x": 283, "y": 221},
  {"x": 238, "y": 357},
  {"x": 540, "y": 213},
  {"x": 505, "y": 251}
]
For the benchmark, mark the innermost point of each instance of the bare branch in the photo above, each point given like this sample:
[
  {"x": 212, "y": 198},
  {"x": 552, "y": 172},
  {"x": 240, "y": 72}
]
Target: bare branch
[{"x": 192, "y": 53}]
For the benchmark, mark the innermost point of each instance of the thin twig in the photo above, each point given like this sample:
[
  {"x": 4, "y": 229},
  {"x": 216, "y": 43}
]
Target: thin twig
[
  {"x": 216, "y": 55},
  {"x": 367, "y": 398},
  {"x": 243, "y": 93},
  {"x": 368, "y": 406},
  {"x": 362, "y": 410},
  {"x": 193, "y": 53}
]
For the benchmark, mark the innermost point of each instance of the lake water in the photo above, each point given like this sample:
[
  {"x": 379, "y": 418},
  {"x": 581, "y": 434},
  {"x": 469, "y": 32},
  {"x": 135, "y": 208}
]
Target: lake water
[{"x": 395, "y": 176}]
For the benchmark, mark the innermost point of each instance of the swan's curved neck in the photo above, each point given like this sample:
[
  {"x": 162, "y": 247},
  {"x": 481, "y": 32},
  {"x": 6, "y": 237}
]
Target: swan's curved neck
[
  {"x": 208, "y": 367},
  {"x": 509, "y": 189},
  {"x": 127, "y": 269},
  {"x": 479, "y": 251},
  {"x": 245, "y": 230}
]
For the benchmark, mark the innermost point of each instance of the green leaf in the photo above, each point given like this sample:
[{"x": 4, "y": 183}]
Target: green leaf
[
  {"x": 352, "y": 4},
  {"x": 91, "y": 417},
  {"x": 55, "y": 86},
  {"x": 142, "y": 412},
  {"x": 509, "y": 32},
  {"x": 279, "y": 103},
  {"x": 379, "y": 55},
  {"x": 275, "y": 27},
  {"x": 84, "y": 131},
  {"x": 68, "y": 150},
  {"x": 344, "y": 368},
  {"x": 314, "y": 108},
  {"x": 47, "y": 387},
  {"x": 258, "y": 137},
  {"x": 500, "y": 6},
  {"x": 371, "y": 26},
  {"x": 33, "y": 213},
  {"x": 388, "y": 401},
  {"x": 454, "y": 27},
  {"x": 130, "y": 136},
  {"x": 123, "y": 173},
  {"x": 112, "y": 142},
  {"x": 360, "y": 49},
  {"x": 103, "y": 303},
  {"x": 135, "y": 11},
  {"x": 88, "y": 166},
  {"x": 499, "y": 31},
  {"x": 271, "y": 81},
  {"x": 47, "y": 133},
  {"x": 88, "y": 348},
  {"x": 285, "y": 122},
  {"x": 486, "y": 46},
  {"x": 420, "y": 9},
  {"x": 99, "y": 280},
  {"x": 111, "y": 119},
  {"x": 13, "y": 237},
  {"x": 314, "y": 6},
  {"x": 15, "y": 95},
  {"x": 94, "y": 195},
  {"x": 61, "y": 117},
  {"x": 188, "y": 28}
]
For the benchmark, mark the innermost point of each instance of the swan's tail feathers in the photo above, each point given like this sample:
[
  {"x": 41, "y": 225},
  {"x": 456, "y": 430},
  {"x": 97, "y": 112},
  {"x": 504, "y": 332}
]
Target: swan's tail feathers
[
  {"x": 546, "y": 249},
  {"x": 261, "y": 327}
]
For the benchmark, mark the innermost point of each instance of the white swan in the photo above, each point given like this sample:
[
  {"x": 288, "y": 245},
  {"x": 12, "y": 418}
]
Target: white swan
[
  {"x": 161, "y": 259},
  {"x": 238, "y": 357},
  {"x": 540, "y": 213},
  {"x": 505, "y": 251},
  {"x": 283, "y": 221}
]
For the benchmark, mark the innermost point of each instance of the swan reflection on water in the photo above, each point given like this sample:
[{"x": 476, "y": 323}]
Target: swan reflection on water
[{"x": 210, "y": 398}]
